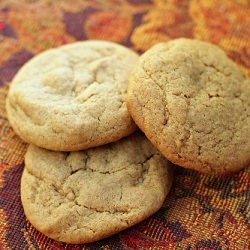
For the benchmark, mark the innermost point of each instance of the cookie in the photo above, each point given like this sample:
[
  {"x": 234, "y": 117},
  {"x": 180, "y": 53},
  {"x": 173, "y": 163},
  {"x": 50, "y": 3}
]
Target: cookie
[
  {"x": 193, "y": 104},
  {"x": 84, "y": 196},
  {"x": 73, "y": 97}
]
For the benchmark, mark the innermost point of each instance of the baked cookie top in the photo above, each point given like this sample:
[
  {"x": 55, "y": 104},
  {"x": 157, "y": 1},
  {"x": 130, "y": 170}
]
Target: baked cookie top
[
  {"x": 193, "y": 103},
  {"x": 73, "y": 97},
  {"x": 85, "y": 196}
]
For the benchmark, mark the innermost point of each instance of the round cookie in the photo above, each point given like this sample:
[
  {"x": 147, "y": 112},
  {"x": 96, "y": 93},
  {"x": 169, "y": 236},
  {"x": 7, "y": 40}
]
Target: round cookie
[
  {"x": 84, "y": 196},
  {"x": 73, "y": 97},
  {"x": 193, "y": 104}
]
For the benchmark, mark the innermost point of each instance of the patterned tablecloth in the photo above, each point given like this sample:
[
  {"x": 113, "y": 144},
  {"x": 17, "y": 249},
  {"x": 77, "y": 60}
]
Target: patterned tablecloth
[{"x": 201, "y": 212}]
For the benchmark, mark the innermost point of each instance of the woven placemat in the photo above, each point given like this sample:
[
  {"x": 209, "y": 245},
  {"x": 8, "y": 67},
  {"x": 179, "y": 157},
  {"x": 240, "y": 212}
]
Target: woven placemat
[{"x": 201, "y": 212}]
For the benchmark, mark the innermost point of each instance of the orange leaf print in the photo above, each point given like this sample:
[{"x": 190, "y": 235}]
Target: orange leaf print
[
  {"x": 226, "y": 24},
  {"x": 167, "y": 20},
  {"x": 3, "y": 230},
  {"x": 108, "y": 26},
  {"x": 38, "y": 31}
]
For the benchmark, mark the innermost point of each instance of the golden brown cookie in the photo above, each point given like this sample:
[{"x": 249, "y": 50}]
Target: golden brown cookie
[
  {"x": 193, "y": 104},
  {"x": 85, "y": 196},
  {"x": 73, "y": 97}
]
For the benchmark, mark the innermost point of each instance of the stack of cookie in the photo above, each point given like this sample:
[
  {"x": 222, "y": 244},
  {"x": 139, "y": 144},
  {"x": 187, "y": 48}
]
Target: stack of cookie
[
  {"x": 190, "y": 100},
  {"x": 73, "y": 98}
]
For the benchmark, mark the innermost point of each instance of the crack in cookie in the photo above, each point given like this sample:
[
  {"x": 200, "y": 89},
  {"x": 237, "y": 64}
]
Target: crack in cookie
[
  {"x": 206, "y": 99},
  {"x": 73, "y": 97},
  {"x": 105, "y": 189}
]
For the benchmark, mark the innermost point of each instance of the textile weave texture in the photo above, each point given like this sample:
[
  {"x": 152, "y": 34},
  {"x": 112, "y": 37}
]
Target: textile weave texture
[{"x": 201, "y": 212}]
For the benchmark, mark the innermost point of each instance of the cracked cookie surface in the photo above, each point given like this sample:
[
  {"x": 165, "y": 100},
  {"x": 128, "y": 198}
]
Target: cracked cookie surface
[
  {"x": 193, "y": 104},
  {"x": 84, "y": 196},
  {"x": 73, "y": 97}
]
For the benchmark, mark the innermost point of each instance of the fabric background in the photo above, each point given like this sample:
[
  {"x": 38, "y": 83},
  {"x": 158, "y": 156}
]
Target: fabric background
[{"x": 201, "y": 212}]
